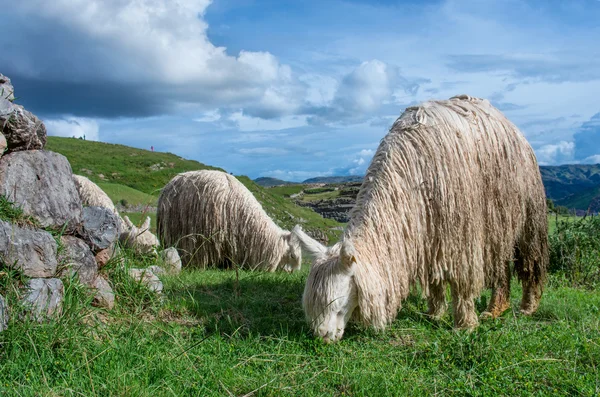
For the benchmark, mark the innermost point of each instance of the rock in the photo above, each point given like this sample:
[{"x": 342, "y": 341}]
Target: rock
[
  {"x": 23, "y": 131},
  {"x": 159, "y": 271},
  {"x": 171, "y": 260},
  {"x": 78, "y": 259},
  {"x": 2, "y": 144},
  {"x": 31, "y": 251},
  {"x": 102, "y": 257},
  {"x": 6, "y": 89},
  {"x": 146, "y": 277},
  {"x": 44, "y": 297},
  {"x": 41, "y": 184},
  {"x": 104, "y": 297},
  {"x": 3, "y": 313},
  {"x": 100, "y": 227}
]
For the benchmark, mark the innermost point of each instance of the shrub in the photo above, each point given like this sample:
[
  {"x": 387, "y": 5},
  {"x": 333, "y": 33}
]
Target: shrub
[{"x": 575, "y": 251}]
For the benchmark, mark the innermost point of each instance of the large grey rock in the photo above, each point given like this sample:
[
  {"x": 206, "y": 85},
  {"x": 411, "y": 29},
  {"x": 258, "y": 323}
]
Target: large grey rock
[
  {"x": 171, "y": 261},
  {"x": 146, "y": 277},
  {"x": 31, "y": 251},
  {"x": 41, "y": 184},
  {"x": 44, "y": 297},
  {"x": 3, "y": 314},
  {"x": 104, "y": 297},
  {"x": 22, "y": 129},
  {"x": 6, "y": 89},
  {"x": 100, "y": 227},
  {"x": 77, "y": 258}
]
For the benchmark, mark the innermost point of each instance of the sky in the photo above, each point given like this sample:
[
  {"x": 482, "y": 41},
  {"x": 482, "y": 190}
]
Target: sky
[{"x": 298, "y": 89}]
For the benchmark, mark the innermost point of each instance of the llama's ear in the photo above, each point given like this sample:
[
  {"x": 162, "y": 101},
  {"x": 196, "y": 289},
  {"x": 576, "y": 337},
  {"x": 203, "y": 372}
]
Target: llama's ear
[
  {"x": 314, "y": 249},
  {"x": 127, "y": 221},
  {"x": 347, "y": 255},
  {"x": 146, "y": 225}
]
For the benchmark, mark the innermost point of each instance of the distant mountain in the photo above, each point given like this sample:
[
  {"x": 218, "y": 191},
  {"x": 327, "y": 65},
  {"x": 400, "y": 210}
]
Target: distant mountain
[
  {"x": 568, "y": 180},
  {"x": 270, "y": 182},
  {"x": 335, "y": 179}
]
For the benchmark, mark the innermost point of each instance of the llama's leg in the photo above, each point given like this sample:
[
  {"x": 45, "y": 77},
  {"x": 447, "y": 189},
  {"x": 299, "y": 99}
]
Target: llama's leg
[
  {"x": 436, "y": 301},
  {"x": 463, "y": 308},
  {"x": 532, "y": 285},
  {"x": 532, "y": 293},
  {"x": 500, "y": 300}
]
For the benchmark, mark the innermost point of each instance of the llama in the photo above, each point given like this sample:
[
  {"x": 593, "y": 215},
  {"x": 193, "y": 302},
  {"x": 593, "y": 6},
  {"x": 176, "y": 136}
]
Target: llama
[
  {"x": 452, "y": 196},
  {"x": 212, "y": 219}
]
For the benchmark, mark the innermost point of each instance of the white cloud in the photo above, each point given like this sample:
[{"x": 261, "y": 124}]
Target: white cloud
[
  {"x": 560, "y": 152},
  {"x": 595, "y": 159},
  {"x": 209, "y": 117},
  {"x": 266, "y": 151},
  {"x": 150, "y": 44},
  {"x": 74, "y": 127},
  {"x": 249, "y": 123}
]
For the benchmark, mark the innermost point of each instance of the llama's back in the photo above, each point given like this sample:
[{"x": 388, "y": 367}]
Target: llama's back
[{"x": 452, "y": 189}]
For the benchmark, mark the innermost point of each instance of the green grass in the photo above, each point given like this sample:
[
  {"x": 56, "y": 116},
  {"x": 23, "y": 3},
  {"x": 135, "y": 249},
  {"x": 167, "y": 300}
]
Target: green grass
[
  {"x": 218, "y": 334},
  {"x": 118, "y": 192},
  {"x": 13, "y": 214},
  {"x": 327, "y": 195},
  {"x": 286, "y": 191},
  {"x": 121, "y": 164}
]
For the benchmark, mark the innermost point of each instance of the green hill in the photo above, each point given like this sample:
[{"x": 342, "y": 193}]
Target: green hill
[
  {"x": 137, "y": 175},
  {"x": 139, "y": 169},
  {"x": 269, "y": 182}
]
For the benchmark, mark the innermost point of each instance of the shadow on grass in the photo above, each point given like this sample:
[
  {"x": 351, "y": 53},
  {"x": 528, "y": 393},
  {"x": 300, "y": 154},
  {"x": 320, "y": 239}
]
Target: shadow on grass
[{"x": 255, "y": 304}]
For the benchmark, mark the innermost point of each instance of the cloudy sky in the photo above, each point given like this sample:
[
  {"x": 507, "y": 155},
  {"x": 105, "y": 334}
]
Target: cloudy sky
[{"x": 296, "y": 89}]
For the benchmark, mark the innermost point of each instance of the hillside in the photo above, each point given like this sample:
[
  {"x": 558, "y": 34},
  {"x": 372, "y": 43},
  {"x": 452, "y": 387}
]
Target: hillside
[
  {"x": 139, "y": 169},
  {"x": 136, "y": 176},
  {"x": 571, "y": 179},
  {"x": 270, "y": 182}
]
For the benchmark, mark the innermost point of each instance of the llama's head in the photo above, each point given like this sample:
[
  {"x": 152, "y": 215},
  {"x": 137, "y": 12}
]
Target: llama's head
[
  {"x": 141, "y": 239},
  {"x": 292, "y": 258},
  {"x": 330, "y": 295}
]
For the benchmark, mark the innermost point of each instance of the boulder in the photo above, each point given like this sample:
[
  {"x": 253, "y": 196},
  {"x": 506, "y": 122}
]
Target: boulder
[
  {"x": 146, "y": 277},
  {"x": 22, "y": 129},
  {"x": 100, "y": 227},
  {"x": 104, "y": 297},
  {"x": 3, "y": 313},
  {"x": 171, "y": 261},
  {"x": 31, "y": 251},
  {"x": 41, "y": 184},
  {"x": 77, "y": 258},
  {"x": 6, "y": 89},
  {"x": 44, "y": 297},
  {"x": 159, "y": 271}
]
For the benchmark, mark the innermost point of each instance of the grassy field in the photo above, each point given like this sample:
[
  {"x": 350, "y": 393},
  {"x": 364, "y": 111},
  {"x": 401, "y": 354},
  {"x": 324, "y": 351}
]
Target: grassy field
[{"x": 218, "y": 333}]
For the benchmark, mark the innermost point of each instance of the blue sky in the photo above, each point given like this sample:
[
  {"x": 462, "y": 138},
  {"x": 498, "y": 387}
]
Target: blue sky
[{"x": 294, "y": 89}]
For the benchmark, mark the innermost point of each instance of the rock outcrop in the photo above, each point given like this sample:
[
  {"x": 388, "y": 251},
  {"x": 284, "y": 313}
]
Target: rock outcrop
[
  {"x": 77, "y": 259},
  {"x": 31, "y": 251},
  {"x": 100, "y": 227},
  {"x": 44, "y": 298},
  {"x": 3, "y": 314},
  {"x": 41, "y": 184}
]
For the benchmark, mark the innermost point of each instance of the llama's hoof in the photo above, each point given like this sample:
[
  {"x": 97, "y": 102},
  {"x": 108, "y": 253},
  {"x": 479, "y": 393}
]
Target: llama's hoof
[{"x": 486, "y": 316}]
